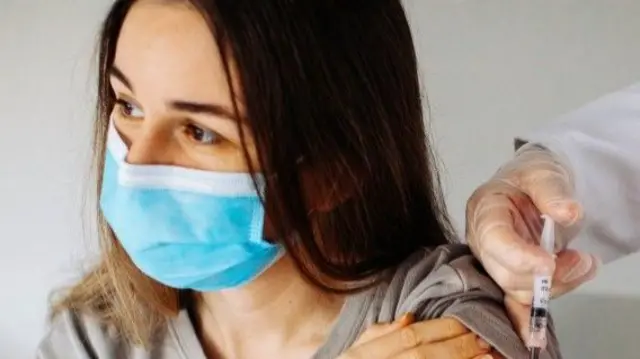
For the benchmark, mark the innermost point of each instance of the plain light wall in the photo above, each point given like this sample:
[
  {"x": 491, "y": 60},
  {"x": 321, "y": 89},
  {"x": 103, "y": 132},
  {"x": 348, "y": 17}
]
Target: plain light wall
[{"x": 491, "y": 70}]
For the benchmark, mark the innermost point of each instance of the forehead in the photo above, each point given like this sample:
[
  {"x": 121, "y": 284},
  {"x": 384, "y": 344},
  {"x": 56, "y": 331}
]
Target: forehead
[{"x": 167, "y": 50}]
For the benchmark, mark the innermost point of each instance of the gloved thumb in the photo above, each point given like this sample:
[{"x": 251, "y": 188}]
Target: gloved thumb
[
  {"x": 549, "y": 185},
  {"x": 552, "y": 194},
  {"x": 564, "y": 211}
]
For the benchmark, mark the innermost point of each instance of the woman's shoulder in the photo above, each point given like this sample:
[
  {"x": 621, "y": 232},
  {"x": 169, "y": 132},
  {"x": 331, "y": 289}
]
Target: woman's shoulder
[
  {"x": 79, "y": 335},
  {"x": 441, "y": 271},
  {"x": 448, "y": 281},
  {"x": 85, "y": 335},
  {"x": 426, "y": 282}
]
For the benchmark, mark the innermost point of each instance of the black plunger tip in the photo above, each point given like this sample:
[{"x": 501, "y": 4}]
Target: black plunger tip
[{"x": 534, "y": 353}]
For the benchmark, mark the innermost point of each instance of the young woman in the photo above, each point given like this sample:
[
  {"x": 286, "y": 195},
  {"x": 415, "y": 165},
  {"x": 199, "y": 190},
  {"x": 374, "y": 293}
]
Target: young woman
[{"x": 267, "y": 192}]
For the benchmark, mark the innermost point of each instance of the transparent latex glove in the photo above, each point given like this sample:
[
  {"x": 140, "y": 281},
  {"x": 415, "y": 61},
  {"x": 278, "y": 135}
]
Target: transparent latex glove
[{"x": 504, "y": 227}]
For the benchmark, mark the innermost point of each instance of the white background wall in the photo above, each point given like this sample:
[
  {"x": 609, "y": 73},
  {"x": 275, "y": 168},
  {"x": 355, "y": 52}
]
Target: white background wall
[{"x": 492, "y": 69}]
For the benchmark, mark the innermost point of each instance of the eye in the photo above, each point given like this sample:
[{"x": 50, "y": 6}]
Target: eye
[
  {"x": 127, "y": 109},
  {"x": 202, "y": 135}
]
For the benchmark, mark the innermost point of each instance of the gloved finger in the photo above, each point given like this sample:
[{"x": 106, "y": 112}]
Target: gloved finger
[
  {"x": 519, "y": 315},
  {"x": 528, "y": 224},
  {"x": 492, "y": 226},
  {"x": 573, "y": 268},
  {"x": 527, "y": 220},
  {"x": 549, "y": 184},
  {"x": 522, "y": 296},
  {"x": 506, "y": 278},
  {"x": 538, "y": 199}
]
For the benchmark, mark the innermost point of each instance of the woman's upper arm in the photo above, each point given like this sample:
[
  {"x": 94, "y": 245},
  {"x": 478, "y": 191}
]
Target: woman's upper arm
[
  {"x": 480, "y": 307},
  {"x": 454, "y": 285},
  {"x": 489, "y": 320}
]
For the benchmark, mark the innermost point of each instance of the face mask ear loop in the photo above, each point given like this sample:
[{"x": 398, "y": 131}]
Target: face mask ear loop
[{"x": 115, "y": 143}]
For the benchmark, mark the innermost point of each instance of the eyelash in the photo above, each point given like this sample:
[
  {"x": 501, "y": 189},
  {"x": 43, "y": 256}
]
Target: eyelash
[
  {"x": 122, "y": 106},
  {"x": 191, "y": 129}
]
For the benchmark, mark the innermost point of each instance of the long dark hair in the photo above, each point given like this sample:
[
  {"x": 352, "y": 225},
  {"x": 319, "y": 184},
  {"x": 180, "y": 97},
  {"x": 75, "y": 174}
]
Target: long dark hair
[{"x": 329, "y": 88}]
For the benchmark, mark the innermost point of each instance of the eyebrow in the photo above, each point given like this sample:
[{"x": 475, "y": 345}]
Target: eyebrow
[
  {"x": 180, "y": 105},
  {"x": 202, "y": 108},
  {"x": 115, "y": 72}
]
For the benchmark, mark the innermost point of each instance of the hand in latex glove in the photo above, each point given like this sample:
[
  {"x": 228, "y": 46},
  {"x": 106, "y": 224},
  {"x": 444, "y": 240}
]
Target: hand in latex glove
[{"x": 504, "y": 227}]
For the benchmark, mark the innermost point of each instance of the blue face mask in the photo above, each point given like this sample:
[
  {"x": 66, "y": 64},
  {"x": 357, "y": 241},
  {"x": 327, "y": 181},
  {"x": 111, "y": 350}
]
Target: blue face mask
[{"x": 186, "y": 228}]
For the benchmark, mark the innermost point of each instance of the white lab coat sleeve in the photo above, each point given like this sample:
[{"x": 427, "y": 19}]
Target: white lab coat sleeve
[{"x": 601, "y": 144}]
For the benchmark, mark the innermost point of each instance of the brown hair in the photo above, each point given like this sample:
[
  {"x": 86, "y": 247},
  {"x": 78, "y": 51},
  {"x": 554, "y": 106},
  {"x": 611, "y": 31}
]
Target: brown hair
[{"x": 332, "y": 82}]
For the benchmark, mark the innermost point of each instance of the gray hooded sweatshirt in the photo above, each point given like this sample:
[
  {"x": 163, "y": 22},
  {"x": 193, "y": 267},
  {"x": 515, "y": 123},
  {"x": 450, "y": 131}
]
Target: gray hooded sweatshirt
[{"x": 443, "y": 282}]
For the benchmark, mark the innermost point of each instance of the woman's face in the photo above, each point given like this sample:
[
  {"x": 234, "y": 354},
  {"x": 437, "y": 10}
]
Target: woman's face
[{"x": 174, "y": 106}]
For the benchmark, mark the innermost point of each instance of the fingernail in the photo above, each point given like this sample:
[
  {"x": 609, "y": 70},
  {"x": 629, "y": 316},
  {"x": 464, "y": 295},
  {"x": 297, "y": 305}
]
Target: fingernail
[
  {"x": 580, "y": 269},
  {"x": 406, "y": 319},
  {"x": 487, "y": 356},
  {"x": 483, "y": 344},
  {"x": 568, "y": 210}
]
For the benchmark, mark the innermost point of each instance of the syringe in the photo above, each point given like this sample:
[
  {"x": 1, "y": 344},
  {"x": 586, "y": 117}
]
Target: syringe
[{"x": 541, "y": 294}]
